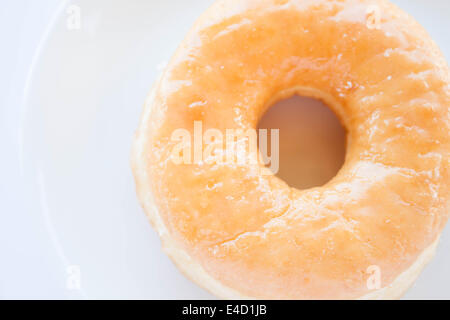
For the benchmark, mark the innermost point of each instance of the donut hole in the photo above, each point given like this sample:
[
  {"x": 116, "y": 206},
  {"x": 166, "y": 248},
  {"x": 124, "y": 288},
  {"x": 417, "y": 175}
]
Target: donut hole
[{"x": 312, "y": 141}]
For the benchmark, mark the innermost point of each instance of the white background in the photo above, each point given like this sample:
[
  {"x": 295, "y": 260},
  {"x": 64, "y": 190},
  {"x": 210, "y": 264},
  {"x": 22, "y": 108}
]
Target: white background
[{"x": 69, "y": 103}]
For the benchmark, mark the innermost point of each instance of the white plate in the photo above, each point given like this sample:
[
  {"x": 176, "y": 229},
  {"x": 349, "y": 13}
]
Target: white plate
[{"x": 71, "y": 215}]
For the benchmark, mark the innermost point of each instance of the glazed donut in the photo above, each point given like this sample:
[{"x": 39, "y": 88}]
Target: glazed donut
[{"x": 240, "y": 231}]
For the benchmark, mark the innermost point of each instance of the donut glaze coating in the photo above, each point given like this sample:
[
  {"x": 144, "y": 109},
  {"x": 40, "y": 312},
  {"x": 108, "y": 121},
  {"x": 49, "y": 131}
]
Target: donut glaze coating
[{"x": 244, "y": 234}]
